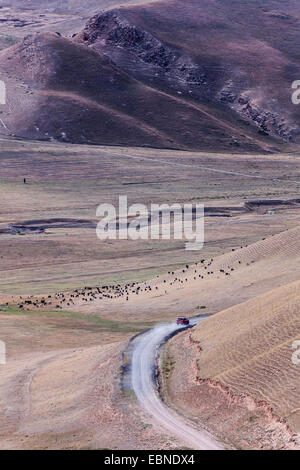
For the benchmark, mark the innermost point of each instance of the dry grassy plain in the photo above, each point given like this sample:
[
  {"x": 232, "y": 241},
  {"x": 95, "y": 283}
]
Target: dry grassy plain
[
  {"x": 68, "y": 182},
  {"x": 60, "y": 387}
]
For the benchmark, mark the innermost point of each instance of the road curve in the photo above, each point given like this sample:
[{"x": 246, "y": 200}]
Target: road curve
[{"x": 143, "y": 365}]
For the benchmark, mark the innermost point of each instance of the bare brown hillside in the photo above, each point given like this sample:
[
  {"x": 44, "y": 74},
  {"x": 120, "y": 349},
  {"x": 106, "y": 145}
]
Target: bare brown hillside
[
  {"x": 240, "y": 56},
  {"x": 240, "y": 378},
  {"x": 58, "y": 89},
  {"x": 213, "y": 76}
]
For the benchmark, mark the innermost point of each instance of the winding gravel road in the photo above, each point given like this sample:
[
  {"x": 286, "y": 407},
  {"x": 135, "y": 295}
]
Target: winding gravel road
[{"x": 142, "y": 377}]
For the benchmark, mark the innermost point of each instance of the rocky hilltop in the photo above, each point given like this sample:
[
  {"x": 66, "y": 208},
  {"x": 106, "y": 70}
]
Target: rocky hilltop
[{"x": 213, "y": 76}]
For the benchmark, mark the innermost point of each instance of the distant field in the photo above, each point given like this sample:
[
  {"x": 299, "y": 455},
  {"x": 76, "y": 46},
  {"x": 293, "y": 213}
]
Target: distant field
[
  {"x": 66, "y": 17},
  {"x": 68, "y": 181}
]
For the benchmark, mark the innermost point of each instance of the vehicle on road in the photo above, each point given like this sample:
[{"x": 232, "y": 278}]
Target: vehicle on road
[
  {"x": 145, "y": 351},
  {"x": 182, "y": 321}
]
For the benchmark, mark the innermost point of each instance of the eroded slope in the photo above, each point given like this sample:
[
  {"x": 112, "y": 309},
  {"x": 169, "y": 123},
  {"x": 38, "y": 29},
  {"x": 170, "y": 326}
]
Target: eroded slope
[{"x": 234, "y": 372}]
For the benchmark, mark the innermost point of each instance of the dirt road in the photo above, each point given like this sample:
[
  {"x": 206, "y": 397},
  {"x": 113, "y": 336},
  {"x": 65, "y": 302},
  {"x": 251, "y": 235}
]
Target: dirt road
[{"x": 143, "y": 368}]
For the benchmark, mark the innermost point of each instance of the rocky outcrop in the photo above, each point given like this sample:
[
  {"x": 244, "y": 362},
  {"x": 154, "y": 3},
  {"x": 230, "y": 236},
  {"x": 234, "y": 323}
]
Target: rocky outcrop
[
  {"x": 139, "y": 75},
  {"x": 269, "y": 122},
  {"x": 113, "y": 33},
  {"x": 153, "y": 61}
]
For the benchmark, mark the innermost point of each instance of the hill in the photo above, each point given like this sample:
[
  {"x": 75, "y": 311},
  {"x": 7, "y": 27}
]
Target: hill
[
  {"x": 62, "y": 90},
  {"x": 243, "y": 373},
  {"x": 240, "y": 56},
  {"x": 211, "y": 285},
  {"x": 237, "y": 364},
  {"x": 214, "y": 76}
]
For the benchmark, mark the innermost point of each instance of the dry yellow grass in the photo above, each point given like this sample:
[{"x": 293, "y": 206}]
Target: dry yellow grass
[
  {"x": 68, "y": 258},
  {"x": 252, "y": 270},
  {"x": 234, "y": 372},
  {"x": 56, "y": 390},
  {"x": 70, "y": 399},
  {"x": 248, "y": 348},
  {"x": 51, "y": 399}
]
